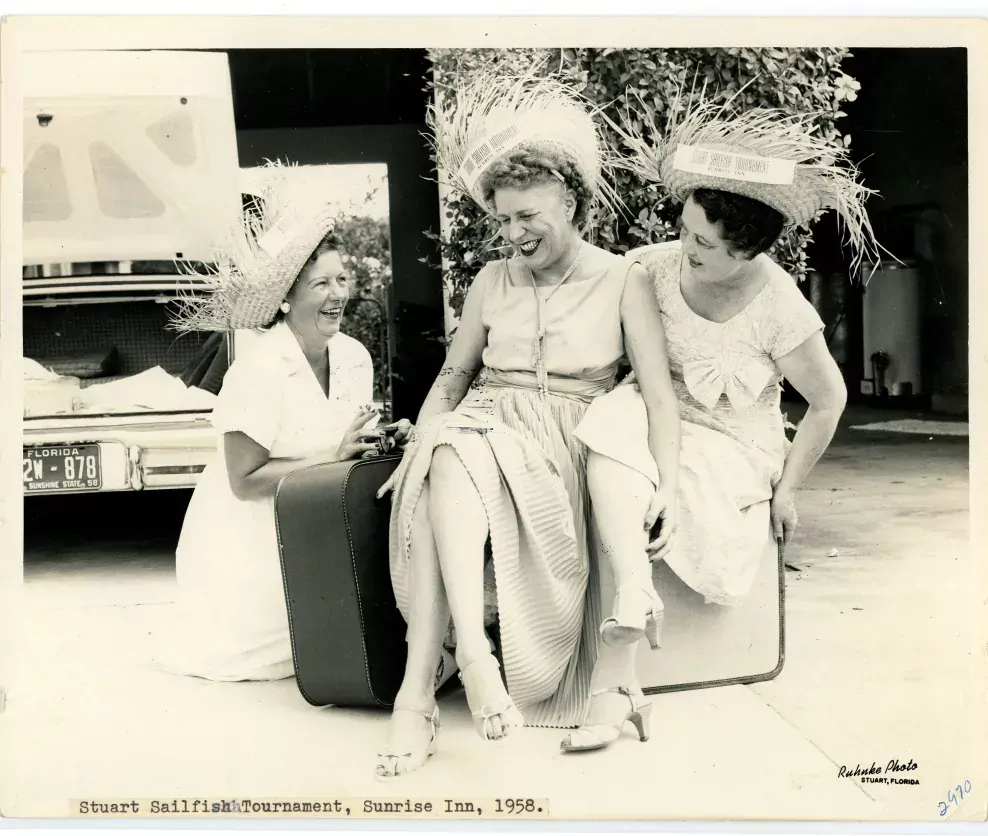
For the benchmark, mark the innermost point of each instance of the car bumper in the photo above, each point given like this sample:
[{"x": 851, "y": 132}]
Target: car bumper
[{"x": 146, "y": 452}]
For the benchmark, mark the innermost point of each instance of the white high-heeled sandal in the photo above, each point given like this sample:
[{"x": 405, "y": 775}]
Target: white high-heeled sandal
[
  {"x": 601, "y": 735},
  {"x": 389, "y": 760},
  {"x": 480, "y": 678},
  {"x": 629, "y": 621}
]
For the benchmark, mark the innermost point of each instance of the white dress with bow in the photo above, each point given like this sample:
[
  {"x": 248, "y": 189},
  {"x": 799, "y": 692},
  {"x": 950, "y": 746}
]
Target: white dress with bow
[{"x": 733, "y": 438}]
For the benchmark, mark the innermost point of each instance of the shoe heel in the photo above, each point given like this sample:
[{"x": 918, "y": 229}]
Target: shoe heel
[
  {"x": 653, "y": 629},
  {"x": 641, "y": 720},
  {"x": 619, "y": 635},
  {"x": 626, "y": 624}
]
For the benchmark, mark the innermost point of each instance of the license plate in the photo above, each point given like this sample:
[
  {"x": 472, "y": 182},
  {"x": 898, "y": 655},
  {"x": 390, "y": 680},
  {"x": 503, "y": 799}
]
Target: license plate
[{"x": 62, "y": 467}]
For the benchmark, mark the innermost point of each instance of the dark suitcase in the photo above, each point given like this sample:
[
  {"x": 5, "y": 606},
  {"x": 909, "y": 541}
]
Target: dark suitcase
[{"x": 348, "y": 637}]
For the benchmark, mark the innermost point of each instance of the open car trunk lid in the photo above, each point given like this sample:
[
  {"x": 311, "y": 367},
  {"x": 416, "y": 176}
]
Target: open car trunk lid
[
  {"x": 127, "y": 156},
  {"x": 130, "y": 163}
]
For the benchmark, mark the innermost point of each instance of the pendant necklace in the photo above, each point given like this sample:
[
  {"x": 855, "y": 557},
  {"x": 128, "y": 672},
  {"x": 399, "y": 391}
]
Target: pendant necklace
[{"x": 539, "y": 348}]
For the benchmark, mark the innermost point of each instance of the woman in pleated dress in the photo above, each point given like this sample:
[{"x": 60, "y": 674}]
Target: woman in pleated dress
[{"x": 493, "y": 461}]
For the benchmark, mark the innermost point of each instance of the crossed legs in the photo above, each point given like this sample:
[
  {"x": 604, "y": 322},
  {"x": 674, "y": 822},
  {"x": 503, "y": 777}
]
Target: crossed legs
[
  {"x": 413, "y": 726},
  {"x": 449, "y": 533},
  {"x": 459, "y": 526}
]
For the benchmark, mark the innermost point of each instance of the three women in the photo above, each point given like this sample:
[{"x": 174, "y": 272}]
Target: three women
[{"x": 523, "y": 431}]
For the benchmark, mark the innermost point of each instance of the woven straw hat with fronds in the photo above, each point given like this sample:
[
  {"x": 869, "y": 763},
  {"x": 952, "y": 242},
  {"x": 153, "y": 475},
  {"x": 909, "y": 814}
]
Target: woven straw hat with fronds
[
  {"x": 821, "y": 176},
  {"x": 492, "y": 116},
  {"x": 257, "y": 263}
]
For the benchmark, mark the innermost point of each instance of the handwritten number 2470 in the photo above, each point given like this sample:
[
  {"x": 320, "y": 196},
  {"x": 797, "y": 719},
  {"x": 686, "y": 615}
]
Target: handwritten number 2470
[{"x": 954, "y": 797}]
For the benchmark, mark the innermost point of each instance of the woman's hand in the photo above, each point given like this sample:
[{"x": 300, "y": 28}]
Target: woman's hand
[
  {"x": 353, "y": 446},
  {"x": 393, "y": 479},
  {"x": 388, "y": 486},
  {"x": 664, "y": 507},
  {"x": 408, "y": 437},
  {"x": 783, "y": 515},
  {"x": 403, "y": 431}
]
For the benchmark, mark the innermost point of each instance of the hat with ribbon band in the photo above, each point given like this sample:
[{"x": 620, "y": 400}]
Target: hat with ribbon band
[
  {"x": 769, "y": 155},
  {"x": 485, "y": 121}
]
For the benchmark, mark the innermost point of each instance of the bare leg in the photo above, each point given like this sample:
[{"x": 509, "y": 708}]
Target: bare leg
[
  {"x": 459, "y": 525},
  {"x": 620, "y": 498},
  {"x": 410, "y": 730}
]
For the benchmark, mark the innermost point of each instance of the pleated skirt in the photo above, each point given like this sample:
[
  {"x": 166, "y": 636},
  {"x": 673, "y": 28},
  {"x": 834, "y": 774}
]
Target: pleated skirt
[{"x": 530, "y": 473}]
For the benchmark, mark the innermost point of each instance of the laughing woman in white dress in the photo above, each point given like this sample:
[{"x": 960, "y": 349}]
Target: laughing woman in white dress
[{"x": 297, "y": 394}]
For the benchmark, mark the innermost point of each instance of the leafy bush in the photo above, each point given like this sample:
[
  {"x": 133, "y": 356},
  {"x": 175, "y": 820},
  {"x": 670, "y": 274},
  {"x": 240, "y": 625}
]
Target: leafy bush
[
  {"x": 365, "y": 245},
  {"x": 806, "y": 80}
]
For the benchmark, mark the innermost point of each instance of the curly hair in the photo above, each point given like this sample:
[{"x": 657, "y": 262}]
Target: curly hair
[
  {"x": 747, "y": 226},
  {"x": 532, "y": 165}
]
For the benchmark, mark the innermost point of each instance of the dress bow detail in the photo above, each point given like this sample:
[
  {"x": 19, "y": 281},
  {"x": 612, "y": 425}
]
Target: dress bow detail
[{"x": 742, "y": 379}]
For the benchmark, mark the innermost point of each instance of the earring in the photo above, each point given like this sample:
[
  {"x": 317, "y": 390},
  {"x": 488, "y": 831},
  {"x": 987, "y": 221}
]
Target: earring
[{"x": 285, "y": 307}]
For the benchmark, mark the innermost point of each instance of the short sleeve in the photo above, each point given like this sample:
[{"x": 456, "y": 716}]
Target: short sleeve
[
  {"x": 795, "y": 320},
  {"x": 251, "y": 402},
  {"x": 661, "y": 262}
]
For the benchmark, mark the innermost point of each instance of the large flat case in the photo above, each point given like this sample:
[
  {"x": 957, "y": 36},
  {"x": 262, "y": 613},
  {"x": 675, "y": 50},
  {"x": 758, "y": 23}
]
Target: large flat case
[
  {"x": 707, "y": 646},
  {"x": 348, "y": 637}
]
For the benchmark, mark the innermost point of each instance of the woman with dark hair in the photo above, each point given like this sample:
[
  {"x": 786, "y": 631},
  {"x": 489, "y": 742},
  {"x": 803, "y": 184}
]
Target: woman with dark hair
[
  {"x": 298, "y": 393},
  {"x": 736, "y": 324},
  {"x": 493, "y": 460}
]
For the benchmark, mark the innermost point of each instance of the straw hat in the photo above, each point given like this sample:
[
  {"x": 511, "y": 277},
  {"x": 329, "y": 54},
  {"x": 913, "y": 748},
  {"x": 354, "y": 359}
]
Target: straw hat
[
  {"x": 494, "y": 116},
  {"x": 257, "y": 263},
  {"x": 768, "y": 155}
]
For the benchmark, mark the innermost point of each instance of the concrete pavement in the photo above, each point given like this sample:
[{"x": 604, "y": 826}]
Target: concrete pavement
[
  {"x": 882, "y": 654},
  {"x": 879, "y": 666}
]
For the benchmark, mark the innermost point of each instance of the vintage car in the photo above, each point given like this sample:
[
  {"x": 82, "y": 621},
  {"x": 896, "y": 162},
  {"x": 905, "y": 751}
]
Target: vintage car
[{"x": 130, "y": 171}]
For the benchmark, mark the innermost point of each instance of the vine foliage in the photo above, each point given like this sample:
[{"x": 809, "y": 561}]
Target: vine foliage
[{"x": 800, "y": 80}]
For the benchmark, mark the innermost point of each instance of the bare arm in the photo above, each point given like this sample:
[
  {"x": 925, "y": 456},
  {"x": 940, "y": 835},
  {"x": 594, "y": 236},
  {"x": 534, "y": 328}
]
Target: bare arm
[
  {"x": 464, "y": 359},
  {"x": 812, "y": 370},
  {"x": 646, "y": 346},
  {"x": 463, "y": 362},
  {"x": 254, "y": 474}
]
